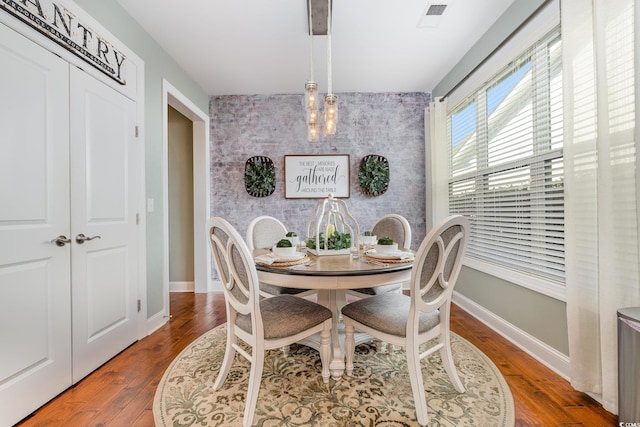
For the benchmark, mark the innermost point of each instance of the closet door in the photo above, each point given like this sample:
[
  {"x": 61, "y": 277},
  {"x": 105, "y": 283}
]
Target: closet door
[
  {"x": 35, "y": 295},
  {"x": 103, "y": 222}
]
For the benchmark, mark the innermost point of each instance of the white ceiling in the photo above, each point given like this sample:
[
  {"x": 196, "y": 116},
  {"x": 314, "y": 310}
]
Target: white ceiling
[{"x": 243, "y": 47}]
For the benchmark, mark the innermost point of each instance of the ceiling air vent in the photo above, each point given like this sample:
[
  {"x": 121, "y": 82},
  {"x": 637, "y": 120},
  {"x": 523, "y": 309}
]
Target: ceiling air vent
[
  {"x": 432, "y": 15},
  {"x": 436, "y": 9}
]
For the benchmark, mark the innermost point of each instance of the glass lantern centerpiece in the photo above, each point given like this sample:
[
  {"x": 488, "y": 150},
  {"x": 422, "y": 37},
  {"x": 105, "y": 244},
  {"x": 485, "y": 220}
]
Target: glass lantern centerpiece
[{"x": 331, "y": 229}]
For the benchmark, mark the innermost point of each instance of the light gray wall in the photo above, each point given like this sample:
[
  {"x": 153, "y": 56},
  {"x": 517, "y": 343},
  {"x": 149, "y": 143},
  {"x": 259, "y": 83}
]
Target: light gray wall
[
  {"x": 180, "y": 148},
  {"x": 538, "y": 315},
  {"x": 517, "y": 13},
  {"x": 157, "y": 65}
]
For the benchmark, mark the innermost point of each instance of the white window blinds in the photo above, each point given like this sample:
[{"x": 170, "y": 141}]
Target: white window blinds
[{"x": 506, "y": 167}]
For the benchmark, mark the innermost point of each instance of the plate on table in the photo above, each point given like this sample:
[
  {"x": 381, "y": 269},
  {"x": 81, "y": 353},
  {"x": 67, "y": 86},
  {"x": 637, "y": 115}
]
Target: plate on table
[
  {"x": 271, "y": 258},
  {"x": 399, "y": 255},
  {"x": 295, "y": 257}
]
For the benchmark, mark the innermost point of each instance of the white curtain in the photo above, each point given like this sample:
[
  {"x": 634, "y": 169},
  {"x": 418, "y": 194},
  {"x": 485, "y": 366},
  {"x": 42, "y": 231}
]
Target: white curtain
[
  {"x": 600, "y": 85},
  {"x": 439, "y": 167}
]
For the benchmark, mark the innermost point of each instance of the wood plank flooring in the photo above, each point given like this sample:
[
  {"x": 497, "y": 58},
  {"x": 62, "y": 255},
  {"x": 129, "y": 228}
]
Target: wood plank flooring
[{"x": 120, "y": 393}]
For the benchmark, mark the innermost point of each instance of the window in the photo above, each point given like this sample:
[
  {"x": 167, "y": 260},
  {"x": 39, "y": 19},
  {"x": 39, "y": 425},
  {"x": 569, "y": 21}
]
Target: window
[{"x": 506, "y": 165}]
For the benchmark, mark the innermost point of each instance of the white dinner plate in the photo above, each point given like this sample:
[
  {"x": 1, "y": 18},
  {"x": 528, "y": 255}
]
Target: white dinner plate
[
  {"x": 392, "y": 255},
  {"x": 270, "y": 258},
  {"x": 294, "y": 257}
]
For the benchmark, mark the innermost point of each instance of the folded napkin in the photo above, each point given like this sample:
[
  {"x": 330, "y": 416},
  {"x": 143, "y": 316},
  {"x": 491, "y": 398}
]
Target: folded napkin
[
  {"x": 266, "y": 259},
  {"x": 403, "y": 255}
]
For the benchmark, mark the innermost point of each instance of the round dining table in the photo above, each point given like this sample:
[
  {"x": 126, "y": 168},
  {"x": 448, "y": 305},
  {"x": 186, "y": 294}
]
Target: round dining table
[{"x": 332, "y": 276}]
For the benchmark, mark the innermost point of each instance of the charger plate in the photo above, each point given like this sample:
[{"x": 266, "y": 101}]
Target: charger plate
[
  {"x": 389, "y": 260},
  {"x": 280, "y": 264}
]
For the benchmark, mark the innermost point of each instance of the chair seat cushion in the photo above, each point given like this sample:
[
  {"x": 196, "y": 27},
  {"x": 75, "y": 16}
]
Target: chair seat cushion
[
  {"x": 286, "y": 315},
  {"x": 395, "y": 287},
  {"x": 279, "y": 290},
  {"x": 388, "y": 313}
]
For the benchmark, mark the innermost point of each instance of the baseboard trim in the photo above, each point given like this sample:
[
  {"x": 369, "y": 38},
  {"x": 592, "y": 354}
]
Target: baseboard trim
[
  {"x": 216, "y": 287},
  {"x": 182, "y": 286},
  {"x": 156, "y": 321},
  {"x": 545, "y": 354}
]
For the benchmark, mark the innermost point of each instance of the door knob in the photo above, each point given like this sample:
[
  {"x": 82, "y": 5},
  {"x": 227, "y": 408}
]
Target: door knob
[
  {"x": 81, "y": 238},
  {"x": 61, "y": 240}
]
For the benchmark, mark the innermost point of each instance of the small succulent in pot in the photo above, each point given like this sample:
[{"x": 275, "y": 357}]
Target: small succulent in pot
[
  {"x": 368, "y": 238},
  {"x": 385, "y": 241},
  {"x": 386, "y": 246},
  {"x": 284, "y": 243},
  {"x": 292, "y": 236},
  {"x": 284, "y": 248}
]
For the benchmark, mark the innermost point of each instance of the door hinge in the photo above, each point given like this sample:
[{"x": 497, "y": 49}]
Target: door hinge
[
  {"x": 137, "y": 131},
  {"x": 137, "y": 219},
  {"x": 139, "y": 306}
]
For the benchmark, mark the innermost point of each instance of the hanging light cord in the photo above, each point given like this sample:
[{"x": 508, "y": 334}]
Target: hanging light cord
[
  {"x": 329, "y": 31},
  {"x": 310, "y": 41}
]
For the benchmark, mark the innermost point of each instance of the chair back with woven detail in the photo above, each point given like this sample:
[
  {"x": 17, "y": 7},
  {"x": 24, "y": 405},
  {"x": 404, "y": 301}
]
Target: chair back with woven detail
[
  {"x": 238, "y": 278},
  {"x": 411, "y": 321},
  {"x": 398, "y": 228},
  {"x": 395, "y": 226},
  {"x": 261, "y": 323},
  {"x": 438, "y": 263},
  {"x": 264, "y": 231}
]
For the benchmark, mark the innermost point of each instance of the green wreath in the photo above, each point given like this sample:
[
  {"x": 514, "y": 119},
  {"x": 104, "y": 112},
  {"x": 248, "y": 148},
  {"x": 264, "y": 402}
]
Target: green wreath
[
  {"x": 259, "y": 176},
  {"x": 373, "y": 175}
]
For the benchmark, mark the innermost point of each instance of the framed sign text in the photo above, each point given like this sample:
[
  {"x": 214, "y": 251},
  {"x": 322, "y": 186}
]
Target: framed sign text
[{"x": 314, "y": 177}]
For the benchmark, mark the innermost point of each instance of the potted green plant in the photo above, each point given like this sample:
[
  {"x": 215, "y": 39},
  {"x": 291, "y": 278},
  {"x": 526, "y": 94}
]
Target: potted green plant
[
  {"x": 284, "y": 248},
  {"x": 292, "y": 236},
  {"x": 336, "y": 241},
  {"x": 368, "y": 238},
  {"x": 386, "y": 245}
]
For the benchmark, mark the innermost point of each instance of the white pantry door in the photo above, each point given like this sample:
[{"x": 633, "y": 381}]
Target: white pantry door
[
  {"x": 35, "y": 287},
  {"x": 104, "y": 197},
  {"x": 68, "y": 303}
]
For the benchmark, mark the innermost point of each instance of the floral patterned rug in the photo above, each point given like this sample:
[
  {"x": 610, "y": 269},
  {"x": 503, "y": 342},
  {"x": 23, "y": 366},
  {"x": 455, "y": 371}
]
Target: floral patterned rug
[{"x": 292, "y": 392}]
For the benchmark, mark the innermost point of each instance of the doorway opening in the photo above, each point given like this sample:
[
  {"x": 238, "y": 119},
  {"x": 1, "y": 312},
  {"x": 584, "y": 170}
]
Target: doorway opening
[
  {"x": 180, "y": 199},
  {"x": 201, "y": 189}
]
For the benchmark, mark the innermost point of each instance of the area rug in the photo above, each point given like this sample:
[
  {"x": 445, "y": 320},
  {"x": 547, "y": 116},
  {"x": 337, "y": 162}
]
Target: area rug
[{"x": 292, "y": 392}]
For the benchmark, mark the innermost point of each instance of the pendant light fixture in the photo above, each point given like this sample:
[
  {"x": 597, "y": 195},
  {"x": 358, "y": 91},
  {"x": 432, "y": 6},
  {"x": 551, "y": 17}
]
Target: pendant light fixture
[
  {"x": 311, "y": 89},
  {"x": 330, "y": 99}
]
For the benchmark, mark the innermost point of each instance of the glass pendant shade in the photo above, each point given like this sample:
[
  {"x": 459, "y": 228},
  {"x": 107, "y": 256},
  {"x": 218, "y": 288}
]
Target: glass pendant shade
[
  {"x": 311, "y": 103},
  {"x": 311, "y": 95},
  {"x": 330, "y": 114},
  {"x": 313, "y": 133}
]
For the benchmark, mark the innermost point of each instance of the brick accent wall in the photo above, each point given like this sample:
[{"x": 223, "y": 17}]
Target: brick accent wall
[{"x": 388, "y": 124}]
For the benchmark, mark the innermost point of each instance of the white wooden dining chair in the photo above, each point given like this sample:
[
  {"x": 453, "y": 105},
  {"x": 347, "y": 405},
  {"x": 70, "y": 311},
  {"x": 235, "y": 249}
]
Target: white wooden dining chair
[
  {"x": 412, "y": 320},
  {"x": 263, "y": 232},
  {"x": 398, "y": 228},
  {"x": 262, "y": 323}
]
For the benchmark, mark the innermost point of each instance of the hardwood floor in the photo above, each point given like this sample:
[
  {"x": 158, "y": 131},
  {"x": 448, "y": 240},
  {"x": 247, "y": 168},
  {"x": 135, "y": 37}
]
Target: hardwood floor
[{"x": 121, "y": 392}]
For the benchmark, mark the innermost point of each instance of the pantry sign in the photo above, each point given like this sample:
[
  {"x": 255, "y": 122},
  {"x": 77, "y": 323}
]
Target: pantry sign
[{"x": 61, "y": 25}]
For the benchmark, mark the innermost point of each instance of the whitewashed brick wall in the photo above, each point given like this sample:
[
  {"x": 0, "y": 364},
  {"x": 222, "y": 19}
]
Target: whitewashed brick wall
[{"x": 389, "y": 124}]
